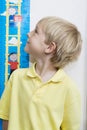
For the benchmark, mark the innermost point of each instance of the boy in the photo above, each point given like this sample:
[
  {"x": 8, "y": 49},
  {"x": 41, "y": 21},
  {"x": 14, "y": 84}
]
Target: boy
[{"x": 43, "y": 97}]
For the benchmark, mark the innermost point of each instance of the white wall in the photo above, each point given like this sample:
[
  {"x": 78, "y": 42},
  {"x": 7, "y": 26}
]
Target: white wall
[{"x": 75, "y": 12}]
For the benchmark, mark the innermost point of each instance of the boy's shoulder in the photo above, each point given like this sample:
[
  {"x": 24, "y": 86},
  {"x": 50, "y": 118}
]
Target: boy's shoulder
[
  {"x": 20, "y": 72},
  {"x": 24, "y": 71},
  {"x": 67, "y": 79},
  {"x": 71, "y": 85}
]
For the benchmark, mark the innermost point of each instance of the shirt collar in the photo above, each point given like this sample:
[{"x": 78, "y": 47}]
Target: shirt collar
[
  {"x": 58, "y": 76},
  {"x": 31, "y": 71}
]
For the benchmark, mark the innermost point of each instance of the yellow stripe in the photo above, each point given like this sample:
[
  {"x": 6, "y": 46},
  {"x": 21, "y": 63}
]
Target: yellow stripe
[
  {"x": 7, "y": 36},
  {"x": 7, "y": 31},
  {"x": 19, "y": 13}
]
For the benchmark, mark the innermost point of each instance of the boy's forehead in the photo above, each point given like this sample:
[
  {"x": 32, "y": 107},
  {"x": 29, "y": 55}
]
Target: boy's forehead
[{"x": 39, "y": 27}]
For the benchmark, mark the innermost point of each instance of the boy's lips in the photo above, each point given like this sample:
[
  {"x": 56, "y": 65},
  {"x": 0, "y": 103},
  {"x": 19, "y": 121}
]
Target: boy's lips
[{"x": 28, "y": 42}]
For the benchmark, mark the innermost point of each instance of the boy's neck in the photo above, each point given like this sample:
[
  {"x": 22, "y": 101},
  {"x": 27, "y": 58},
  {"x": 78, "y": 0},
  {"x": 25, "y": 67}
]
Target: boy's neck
[{"x": 45, "y": 69}]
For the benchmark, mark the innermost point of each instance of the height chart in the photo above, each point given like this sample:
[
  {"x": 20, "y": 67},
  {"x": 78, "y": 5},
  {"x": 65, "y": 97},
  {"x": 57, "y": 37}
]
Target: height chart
[{"x": 14, "y": 25}]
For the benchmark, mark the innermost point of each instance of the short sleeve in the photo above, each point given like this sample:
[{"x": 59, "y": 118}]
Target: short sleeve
[
  {"x": 72, "y": 111},
  {"x": 5, "y": 101}
]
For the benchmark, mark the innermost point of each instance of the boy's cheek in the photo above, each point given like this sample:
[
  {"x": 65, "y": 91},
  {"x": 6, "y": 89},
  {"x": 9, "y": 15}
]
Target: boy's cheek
[
  {"x": 26, "y": 48},
  {"x": 29, "y": 48},
  {"x": 33, "y": 49}
]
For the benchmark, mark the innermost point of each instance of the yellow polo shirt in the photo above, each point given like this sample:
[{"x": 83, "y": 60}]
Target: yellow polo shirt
[{"x": 30, "y": 104}]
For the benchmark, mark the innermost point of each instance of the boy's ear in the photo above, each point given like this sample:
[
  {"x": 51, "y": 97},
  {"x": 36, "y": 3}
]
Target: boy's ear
[{"x": 50, "y": 48}]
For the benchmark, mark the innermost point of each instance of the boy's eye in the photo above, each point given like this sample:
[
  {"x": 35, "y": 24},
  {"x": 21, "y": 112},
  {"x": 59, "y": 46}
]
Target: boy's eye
[{"x": 36, "y": 31}]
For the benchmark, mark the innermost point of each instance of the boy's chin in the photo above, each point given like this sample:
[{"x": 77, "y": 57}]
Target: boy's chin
[{"x": 26, "y": 50}]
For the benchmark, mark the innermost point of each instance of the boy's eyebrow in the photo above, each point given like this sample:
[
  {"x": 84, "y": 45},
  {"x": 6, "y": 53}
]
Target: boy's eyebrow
[{"x": 37, "y": 27}]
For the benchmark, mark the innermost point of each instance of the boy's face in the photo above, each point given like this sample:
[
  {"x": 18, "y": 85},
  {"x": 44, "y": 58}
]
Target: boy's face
[{"x": 36, "y": 42}]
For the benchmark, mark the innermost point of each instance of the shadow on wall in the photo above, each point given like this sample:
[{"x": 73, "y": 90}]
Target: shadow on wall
[
  {"x": 0, "y": 124},
  {"x": 86, "y": 67},
  {"x": 86, "y": 81}
]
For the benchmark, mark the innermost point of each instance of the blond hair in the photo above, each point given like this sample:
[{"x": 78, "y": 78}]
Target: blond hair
[{"x": 67, "y": 38}]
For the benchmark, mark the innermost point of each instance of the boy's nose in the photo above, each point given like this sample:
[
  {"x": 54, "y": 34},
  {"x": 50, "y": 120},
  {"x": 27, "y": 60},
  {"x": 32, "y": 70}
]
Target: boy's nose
[{"x": 30, "y": 34}]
